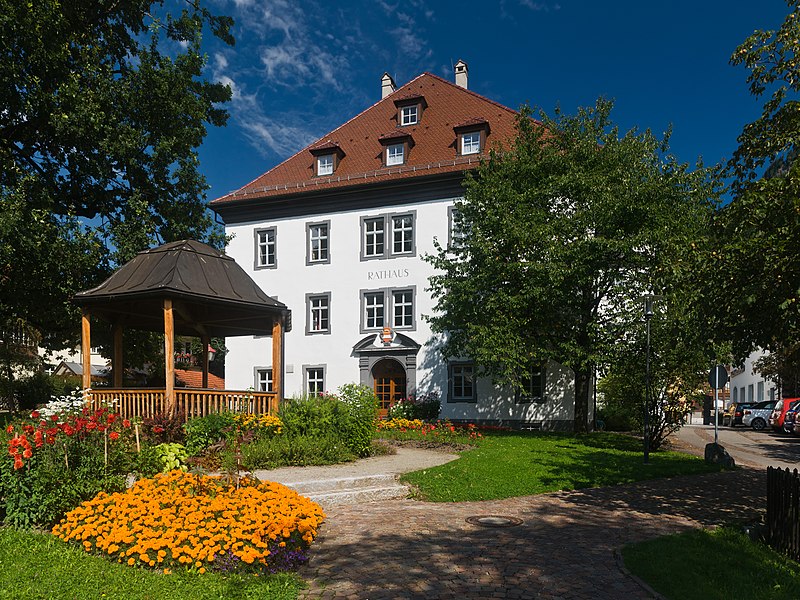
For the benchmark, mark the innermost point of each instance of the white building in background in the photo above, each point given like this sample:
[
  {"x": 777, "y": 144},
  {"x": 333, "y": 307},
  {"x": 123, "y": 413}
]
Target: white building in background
[
  {"x": 748, "y": 385},
  {"x": 337, "y": 232}
]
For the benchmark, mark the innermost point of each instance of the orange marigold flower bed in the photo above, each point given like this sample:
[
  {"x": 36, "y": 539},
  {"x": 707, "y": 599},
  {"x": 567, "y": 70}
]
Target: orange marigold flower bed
[
  {"x": 181, "y": 520},
  {"x": 400, "y": 423}
]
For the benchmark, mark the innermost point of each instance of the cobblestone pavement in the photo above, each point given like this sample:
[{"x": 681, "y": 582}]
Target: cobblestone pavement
[{"x": 564, "y": 548}]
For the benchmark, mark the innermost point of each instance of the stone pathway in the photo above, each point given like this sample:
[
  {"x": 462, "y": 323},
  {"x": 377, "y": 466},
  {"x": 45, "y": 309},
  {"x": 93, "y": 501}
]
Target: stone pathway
[{"x": 564, "y": 548}]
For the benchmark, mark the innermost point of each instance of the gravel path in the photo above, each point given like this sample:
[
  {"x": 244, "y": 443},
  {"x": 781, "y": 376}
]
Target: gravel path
[{"x": 406, "y": 460}]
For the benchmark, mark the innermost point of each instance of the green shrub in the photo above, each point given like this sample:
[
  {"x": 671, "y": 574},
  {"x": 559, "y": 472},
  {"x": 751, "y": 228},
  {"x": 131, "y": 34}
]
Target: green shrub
[
  {"x": 349, "y": 416},
  {"x": 171, "y": 456},
  {"x": 313, "y": 416},
  {"x": 147, "y": 461},
  {"x": 202, "y": 432},
  {"x": 301, "y": 450},
  {"x": 46, "y": 491},
  {"x": 55, "y": 464},
  {"x": 66, "y": 384},
  {"x": 617, "y": 418},
  {"x": 363, "y": 411},
  {"x": 424, "y": 407},
  {"x": 35, "y": 390},
  {"x": 163, "y": 428}
]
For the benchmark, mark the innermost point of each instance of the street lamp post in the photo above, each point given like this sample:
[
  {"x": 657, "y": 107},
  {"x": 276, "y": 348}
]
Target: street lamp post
[{"x": 648, "y": 314}]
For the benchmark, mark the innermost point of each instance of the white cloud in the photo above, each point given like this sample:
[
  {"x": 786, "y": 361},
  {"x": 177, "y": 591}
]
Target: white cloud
[
  {"x": 410, "y": 42},
  {"x": 306, "y": 56},
  {"x": 282, "y": 138},
  {"x": 220, "y": 61}
]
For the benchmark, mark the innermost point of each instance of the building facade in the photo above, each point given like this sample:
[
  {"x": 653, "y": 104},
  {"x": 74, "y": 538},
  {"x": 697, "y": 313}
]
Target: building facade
[
  {"x": 748, "y": 385},
  {"x": 338, "y": 232}
]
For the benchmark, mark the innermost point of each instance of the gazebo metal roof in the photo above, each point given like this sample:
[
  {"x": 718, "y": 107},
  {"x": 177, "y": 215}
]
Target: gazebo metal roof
[{"x": 212, "y": 295}]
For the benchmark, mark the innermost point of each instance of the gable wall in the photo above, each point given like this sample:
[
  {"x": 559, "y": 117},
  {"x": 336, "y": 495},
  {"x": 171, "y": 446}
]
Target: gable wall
[{"x": 343, "y": 278}]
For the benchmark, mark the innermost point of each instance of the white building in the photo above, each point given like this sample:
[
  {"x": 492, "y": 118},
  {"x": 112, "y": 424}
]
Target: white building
[
  {"x": 748, "y": 385},
  {"x": 337, "y": 232}
]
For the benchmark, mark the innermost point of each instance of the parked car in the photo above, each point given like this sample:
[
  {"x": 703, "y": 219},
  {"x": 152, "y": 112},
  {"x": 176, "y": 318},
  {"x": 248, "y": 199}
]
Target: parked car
[
  {"x": 757, "y": 415},
  {"x": 794, "y": 427},
  {"x": 790, "y": 419},
  {"x": 778, "y": 414},
  {"x": 734, "y": 413}
]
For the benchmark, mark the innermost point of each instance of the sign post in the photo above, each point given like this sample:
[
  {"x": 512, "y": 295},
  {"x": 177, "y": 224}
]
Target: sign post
[{"x": 717, "y": 378}]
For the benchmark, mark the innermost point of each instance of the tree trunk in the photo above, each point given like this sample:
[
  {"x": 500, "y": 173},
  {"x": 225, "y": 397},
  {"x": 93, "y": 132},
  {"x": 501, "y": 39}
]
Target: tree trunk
[{"x": 582, "y": 396}]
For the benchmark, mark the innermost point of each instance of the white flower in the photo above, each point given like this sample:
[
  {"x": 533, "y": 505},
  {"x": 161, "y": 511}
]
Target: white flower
[{"x": 62, "y": 405}]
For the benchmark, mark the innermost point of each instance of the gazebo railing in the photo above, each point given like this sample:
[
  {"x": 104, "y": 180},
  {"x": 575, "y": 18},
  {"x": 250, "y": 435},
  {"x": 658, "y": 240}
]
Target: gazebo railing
[{"x": 145, "y": 402}]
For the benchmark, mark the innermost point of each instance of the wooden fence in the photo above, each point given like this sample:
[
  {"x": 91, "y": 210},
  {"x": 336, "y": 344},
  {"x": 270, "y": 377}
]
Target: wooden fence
[
  {"x": 145, "y": 403},
  {"x": 783, "y": 511}
]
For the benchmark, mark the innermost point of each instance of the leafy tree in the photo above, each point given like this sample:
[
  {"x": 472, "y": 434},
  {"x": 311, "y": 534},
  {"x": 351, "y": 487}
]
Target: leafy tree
[
  {"x": 757, "y": 232},
  {"x": 562, "y": 235},
  {"x": 104, "y": 108},
  {"x": 678, "y": 368},
  {"x": 783, "y": 366},
  {"x": 44, "y": 259}
]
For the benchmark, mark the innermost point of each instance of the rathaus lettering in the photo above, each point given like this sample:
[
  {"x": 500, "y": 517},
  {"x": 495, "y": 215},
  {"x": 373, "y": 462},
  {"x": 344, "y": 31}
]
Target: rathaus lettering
[{"x": 387, "y": 274}]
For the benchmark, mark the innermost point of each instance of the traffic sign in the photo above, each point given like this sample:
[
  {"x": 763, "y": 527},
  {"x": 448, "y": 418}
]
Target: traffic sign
[{"x": 718, "y": 377}]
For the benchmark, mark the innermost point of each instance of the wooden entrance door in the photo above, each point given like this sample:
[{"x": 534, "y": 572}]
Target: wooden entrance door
[{"x": 390, "y": 383}]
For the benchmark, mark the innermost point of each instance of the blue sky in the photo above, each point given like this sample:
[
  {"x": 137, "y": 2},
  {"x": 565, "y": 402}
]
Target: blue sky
[{"x": 301, "y": 68}]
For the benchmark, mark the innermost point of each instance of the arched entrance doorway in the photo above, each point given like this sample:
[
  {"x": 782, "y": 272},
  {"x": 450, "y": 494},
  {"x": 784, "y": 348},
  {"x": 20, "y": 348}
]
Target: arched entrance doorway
[{"x": 390, "y": 383}]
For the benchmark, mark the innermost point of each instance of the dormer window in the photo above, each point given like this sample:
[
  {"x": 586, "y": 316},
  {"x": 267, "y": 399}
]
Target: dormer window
[
  {"x": 396, "y": 146},
  {"x": 325, "y": 165},
  {"x": 409, "y": 109},
  {"x": 409, "y": 115},
  {"x": 327, "y": 156},
  {"x": 471, "y": 136},
  {"x": 471, "y": 142},
  {"x": 395, "y": 154}
]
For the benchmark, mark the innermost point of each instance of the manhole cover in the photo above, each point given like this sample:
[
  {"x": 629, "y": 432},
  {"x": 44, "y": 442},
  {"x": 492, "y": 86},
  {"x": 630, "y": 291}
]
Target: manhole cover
[{"x": 494, "y": 521}]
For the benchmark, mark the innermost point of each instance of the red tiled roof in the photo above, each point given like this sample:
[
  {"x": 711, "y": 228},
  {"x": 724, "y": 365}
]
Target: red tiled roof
[
  {"x": 435, "y": 150},
  {"x": 407, "y": 97},
  {"x": 194, "y": 379},
  {"x": 395, "y": 135},
  {"x": 324, "y": 145},
  {"x": 471, "y": 122}
]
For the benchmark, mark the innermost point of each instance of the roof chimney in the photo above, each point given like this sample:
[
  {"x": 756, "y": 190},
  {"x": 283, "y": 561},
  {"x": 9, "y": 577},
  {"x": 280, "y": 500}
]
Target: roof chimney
[
  {"x": 387, "y": 85},
  {"x": 461, "y": 73}
]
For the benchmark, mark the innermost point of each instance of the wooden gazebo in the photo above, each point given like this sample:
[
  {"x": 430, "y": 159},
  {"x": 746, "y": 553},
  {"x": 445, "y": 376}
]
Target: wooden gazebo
[{"x": 183, "y": 288}]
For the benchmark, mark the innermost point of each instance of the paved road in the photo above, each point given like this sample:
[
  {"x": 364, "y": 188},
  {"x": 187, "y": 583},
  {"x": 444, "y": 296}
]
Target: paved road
[{"x": 753, "y": 448}]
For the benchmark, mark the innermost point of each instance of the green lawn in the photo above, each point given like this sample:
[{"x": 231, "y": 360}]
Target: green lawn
[
  {"x": 37, "y": 566},
  {"x": 721, "y": 564},
  {"x": 507, "y": 464}
]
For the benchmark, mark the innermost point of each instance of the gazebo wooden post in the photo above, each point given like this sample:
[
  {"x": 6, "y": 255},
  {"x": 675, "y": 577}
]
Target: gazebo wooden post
[
  {"x": 277, "y": 367},
  {"x": 116, "y": 363},
  {"x": 169, "y": 357},
  {"x": 86, "y": 348},
  {"x": 205, "y": 342}
]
